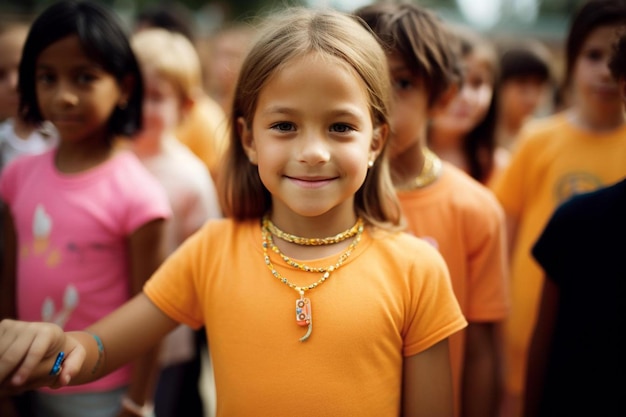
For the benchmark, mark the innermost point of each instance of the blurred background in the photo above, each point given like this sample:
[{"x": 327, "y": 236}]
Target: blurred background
[{"x": 544, "y": 19}]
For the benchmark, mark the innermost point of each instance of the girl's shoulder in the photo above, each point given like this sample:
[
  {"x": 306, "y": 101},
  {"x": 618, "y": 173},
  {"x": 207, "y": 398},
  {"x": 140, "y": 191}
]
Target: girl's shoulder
[
  {"x": 546, "y": 125},
  {"x": 27, "y": 162},
  {"x": 226, "y": 229},
  {"x": 403, "y": 247}
]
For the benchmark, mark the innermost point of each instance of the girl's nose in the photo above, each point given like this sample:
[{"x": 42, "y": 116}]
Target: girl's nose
[
  {"x": 12, "y": 79},
  {"x": 314, "y": 149},
  {"x": 66, "y": 96}
]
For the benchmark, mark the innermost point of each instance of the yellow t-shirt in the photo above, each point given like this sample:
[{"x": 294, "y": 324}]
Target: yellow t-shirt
[
  {"x": 554, "y": 161},
  {"x": 390, "y": 299},
  {"x": 463, "y": 220}
]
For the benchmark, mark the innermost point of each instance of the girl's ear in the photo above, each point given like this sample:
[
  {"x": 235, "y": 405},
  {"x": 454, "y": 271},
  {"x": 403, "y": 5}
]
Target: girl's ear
[
  {"x": 379, "y": 138},
  {"x": 186, "y": 107},
  {"x": 247, "y": 140},
  {"x": 127, "y": 86}
]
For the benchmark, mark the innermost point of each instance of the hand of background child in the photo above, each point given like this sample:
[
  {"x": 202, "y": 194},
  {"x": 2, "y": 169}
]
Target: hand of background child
[{"x": 28, "y": 352}]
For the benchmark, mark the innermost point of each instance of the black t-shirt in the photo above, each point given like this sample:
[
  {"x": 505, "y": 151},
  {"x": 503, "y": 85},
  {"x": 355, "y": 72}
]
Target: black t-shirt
[{"x": 583, "y": 250}]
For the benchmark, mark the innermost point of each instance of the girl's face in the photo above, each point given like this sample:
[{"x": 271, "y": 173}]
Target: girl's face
[
  {"x": 593, "y": 84},
  {"x": 162, "y": 104},
  {"x": 410, "y": 110},
  {"x": 75, "y": 93},
  {"x": 519, "y": 97},
  {"x": 470, "y": 106},
  {"x": 11, "y": 43},
  {"x": 311, "y": 137}
]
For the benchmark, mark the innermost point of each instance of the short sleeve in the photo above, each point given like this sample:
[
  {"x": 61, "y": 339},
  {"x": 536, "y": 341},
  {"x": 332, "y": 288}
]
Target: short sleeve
[
  {"x": 147, "y": 199},
  {"x": 553, "y": 249},
  {"x": 435, "y": 313},
  {"x": 172, "y": 287}
]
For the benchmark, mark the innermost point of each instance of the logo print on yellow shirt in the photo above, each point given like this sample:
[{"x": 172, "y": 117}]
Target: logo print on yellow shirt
[{"x": 575, "y": 183}]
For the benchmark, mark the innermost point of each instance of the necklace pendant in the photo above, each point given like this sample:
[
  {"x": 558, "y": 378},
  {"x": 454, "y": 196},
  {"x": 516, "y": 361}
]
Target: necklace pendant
[
  {"x": 303, "y": 315},
  {"x": 303, "y": 311}
]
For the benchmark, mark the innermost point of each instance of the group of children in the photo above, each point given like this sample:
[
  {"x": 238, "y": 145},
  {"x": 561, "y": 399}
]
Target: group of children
[{"x": 364, "y": 179}]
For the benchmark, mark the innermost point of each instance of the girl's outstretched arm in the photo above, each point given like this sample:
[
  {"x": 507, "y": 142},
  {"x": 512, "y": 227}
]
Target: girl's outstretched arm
[
  {"x": 28, "y": 350},
  {"x": 427, "y": 383}
]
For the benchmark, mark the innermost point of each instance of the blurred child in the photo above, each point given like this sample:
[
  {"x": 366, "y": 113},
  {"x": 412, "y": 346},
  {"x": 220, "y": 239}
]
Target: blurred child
[
  {"x": 314, "y": 302},
  {"x": 16, "y": 136},
  {"x": 171, "y": 16},
  {"x": 576, "y": 352},
  {"x": 442, "y": 204},
  {"x": 524, "y": 88},
  {"x": 84, "y": 222},
  {"x": 170, "y": 85},
  {"x": 577, "y": 150},
  {"x": 204, "y": 129},
  {"x": 464, "y": 132},
  {"x": 228, "y": 48}
]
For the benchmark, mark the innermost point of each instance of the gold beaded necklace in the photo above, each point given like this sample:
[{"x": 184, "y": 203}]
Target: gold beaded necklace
[
  {"x": 431, "y": 171},
  {"x": 303, "y": 305},
  {"x": 306, "y": 241}
]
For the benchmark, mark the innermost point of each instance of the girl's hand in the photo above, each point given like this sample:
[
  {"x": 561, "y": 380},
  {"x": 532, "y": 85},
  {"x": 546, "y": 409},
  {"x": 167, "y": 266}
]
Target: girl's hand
[{"x": 28, "y": 352}]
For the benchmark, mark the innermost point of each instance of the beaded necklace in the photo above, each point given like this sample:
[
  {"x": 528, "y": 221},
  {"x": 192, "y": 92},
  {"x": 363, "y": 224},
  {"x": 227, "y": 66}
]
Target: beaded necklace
[
  {"x": 303, "y": 305},
  {"x": 315, "y": 241},
  {"x": 431, "y": 171}
]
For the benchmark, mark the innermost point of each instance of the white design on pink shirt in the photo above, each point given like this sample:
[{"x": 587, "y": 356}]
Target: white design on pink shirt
[{"x": 70, "y": 302}]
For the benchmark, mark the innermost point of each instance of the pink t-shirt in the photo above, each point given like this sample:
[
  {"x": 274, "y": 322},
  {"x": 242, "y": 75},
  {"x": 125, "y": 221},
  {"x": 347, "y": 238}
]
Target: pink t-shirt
[{"x": 72, "y": 232}]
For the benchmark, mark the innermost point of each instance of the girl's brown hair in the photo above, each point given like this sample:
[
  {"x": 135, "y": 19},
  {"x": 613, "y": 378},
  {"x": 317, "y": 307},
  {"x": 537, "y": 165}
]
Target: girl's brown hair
[{"x": 293, "y": 33}]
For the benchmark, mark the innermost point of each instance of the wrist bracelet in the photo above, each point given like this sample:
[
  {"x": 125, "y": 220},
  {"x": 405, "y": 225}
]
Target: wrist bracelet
[
  {"x": 100, "y": 360},
  {"x": 145, "y": 410}
]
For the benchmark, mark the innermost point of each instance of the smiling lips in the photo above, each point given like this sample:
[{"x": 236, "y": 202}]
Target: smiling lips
[
  {"x": 66, "y": 120},
  {"x": 310, "y": 182}
]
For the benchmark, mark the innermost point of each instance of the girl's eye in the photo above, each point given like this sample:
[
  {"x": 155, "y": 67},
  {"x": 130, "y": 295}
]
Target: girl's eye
[
  {"x": 284, "y": 126},
  {"x": 402, "y": 84},
  {"x": 341, "y": 128},
  {"x": 475, "y": 82},
  {"x": 45, "y": 78},
  {"x": 594, "y": 55},
  {"x": 85, "y": 78}
]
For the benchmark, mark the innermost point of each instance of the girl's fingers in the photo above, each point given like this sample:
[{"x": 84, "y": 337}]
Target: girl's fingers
[
  {"x": 23, "y": 348},
  {"x": 71, "y": 366}
]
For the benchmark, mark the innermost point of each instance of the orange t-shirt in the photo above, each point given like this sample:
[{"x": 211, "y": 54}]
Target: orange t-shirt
[
  {"x": 554, "y": 160},
  {"x": 390, "y": 299},
  {"x": 463, "y": 220}
]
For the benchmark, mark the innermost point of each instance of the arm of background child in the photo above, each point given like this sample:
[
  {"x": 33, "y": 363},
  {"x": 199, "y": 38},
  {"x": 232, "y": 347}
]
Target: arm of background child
[
  {"x": 482, "y": 380},
  {"x": 28, "y": 350},
  {"x": 147, "y": 252},
  {"x": 7, "y": 280},
  {"x": 427, "y": 383},
  {"x": 540, "y": 347}
]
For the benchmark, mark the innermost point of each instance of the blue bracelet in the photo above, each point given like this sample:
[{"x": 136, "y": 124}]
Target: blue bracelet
[
  {"x": 56, "y": 368},
  {"x": 99, "y": 342}
]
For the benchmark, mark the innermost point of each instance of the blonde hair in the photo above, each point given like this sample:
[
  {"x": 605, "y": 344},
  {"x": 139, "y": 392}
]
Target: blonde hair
[
  {"x": 290, "y": 34},
  {"x": 172, "y": 56}
]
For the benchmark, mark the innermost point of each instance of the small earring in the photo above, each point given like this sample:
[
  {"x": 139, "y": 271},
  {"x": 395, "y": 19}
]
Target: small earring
[{"x": 370, "y": 163}]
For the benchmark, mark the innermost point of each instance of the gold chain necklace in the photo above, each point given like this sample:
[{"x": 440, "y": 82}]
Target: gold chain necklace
[
  {"x": 431, "y": 171},
  {"x": 303, "y": 305},
  {"x": 315, "y": 241}
]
